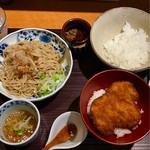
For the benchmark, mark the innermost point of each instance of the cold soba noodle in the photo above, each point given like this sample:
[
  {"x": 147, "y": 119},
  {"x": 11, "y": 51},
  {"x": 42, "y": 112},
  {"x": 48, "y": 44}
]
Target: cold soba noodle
[{"x": 31, "y": 68}]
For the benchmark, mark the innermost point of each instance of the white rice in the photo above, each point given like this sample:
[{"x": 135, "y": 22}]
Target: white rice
[
  {"x": 129, "y": 49},
  {"x": 121, "y": 132},
  {"x": 95, "y": 95},
  {"x": 117, "y": 131}
]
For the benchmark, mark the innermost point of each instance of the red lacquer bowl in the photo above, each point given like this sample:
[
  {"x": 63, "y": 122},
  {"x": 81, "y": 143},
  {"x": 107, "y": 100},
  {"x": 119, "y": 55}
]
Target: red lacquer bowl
[{"x": 103, "y": 80}]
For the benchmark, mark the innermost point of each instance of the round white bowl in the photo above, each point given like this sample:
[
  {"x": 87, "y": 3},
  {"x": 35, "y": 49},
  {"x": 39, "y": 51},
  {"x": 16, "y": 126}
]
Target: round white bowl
[
  {"x": 44, "y": 36},
  {"x": 13, "y": 105},
  {"x": 110, "y": 24}
]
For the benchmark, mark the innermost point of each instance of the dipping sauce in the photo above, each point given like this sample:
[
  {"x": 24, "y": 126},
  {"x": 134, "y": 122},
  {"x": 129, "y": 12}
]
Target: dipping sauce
[
  {"x": 76, "y": 32},
  {"x": 74, "y": 35},
  {"x": 19, "y": 126}
]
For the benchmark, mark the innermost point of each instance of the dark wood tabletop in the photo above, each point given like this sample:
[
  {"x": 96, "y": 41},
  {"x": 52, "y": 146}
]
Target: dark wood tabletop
[{"x": 85, "y": 65}]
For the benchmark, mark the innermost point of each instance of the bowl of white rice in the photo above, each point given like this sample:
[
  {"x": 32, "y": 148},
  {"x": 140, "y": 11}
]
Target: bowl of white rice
[
  {"x": 120, "y": 37},
  {"x": 96, "y": 87}
]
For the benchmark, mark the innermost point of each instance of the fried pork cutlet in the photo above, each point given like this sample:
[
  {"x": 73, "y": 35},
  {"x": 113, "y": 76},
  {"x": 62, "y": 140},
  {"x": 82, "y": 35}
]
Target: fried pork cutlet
[
  {"x": 124, "y": 90},
  {"x": 116, "y": 108}
]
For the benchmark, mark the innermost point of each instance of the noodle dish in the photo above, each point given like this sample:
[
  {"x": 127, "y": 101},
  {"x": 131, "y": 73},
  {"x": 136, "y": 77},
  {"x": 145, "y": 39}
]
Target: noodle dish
[{"x": 34, "y": 64}]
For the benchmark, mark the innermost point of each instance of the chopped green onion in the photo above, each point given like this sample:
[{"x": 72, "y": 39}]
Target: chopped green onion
[
  {"x": 19, "y": 131},
  {"x": 49, "y": 84},
  {"x": 43, "y": 75}
]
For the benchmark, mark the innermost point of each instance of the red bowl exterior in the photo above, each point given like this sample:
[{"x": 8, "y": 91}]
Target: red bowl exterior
[{"x": 103, "y": 80}]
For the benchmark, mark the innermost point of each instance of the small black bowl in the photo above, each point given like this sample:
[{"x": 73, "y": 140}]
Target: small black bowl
[{"x": 76, "y": 32}]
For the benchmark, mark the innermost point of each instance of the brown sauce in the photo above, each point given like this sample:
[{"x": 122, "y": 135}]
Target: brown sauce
[
  {"x": 19, "y": 126},
  {"x": 72, "y": 130},
  {"x": 74, "y": 35}
]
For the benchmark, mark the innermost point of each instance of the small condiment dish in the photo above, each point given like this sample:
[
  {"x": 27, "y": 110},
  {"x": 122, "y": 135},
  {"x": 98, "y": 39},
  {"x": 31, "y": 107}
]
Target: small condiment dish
[
  {"x": 21, "y": 116},
  {"x": 76, "y": 32},
  {"x": 70, "y": 117}
]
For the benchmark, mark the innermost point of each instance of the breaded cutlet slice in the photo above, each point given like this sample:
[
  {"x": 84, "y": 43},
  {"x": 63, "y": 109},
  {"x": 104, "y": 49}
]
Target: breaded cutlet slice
[
  {"x": 124, "y": 90},
  {"x": 116, "y": 109}
]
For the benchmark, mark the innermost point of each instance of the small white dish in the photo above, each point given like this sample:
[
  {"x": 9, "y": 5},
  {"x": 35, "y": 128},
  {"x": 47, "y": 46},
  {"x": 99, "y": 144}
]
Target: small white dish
[{"x": 60, "y": 122}]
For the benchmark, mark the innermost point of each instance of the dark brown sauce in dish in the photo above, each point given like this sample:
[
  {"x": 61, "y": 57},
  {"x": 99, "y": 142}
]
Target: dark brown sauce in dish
[
  {"x": 72, "y": 130},
  {"x": 74, "y": 35}
]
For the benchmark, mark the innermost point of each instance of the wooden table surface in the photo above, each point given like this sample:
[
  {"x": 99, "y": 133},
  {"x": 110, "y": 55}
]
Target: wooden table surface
[
  {"x": 51, "y": 14},
  {"x": 67, "y": 99}
]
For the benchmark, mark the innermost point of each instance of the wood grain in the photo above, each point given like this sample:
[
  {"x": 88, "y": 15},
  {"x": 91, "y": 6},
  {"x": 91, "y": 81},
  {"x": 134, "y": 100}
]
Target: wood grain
[{"x": 67, "y": 99}]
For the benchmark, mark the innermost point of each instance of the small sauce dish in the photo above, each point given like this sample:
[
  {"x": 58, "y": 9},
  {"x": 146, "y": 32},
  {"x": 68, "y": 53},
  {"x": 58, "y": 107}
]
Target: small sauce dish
[
  {"x": 70, "y": 117},
  {"x": 76, "y": 32},
  {"x": 19, "y": 122}
]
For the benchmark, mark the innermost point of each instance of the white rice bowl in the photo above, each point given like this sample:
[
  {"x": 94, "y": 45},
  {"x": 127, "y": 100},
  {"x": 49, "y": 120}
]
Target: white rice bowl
[{"x": 128, "y": 50}]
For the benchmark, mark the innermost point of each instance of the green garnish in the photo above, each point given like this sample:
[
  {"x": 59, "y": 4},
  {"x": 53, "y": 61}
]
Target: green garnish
[
  {"x": 43, "y": 75},
  {"x": 19, "y": 131},
  {"x": 49, "y": 84},
  {"x": 55, "y": 77}
]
